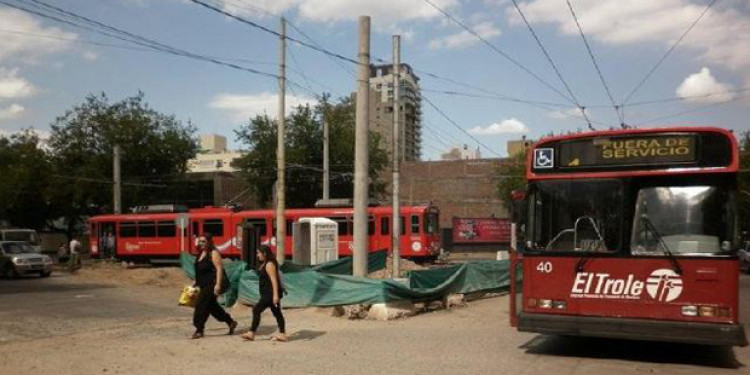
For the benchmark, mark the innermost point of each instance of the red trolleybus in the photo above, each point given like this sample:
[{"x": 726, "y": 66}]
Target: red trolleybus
[{"x": 631, "y": 234}]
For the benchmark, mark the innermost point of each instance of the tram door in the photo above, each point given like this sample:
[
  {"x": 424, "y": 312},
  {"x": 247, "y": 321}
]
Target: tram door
[{"x": 252, "y": 230}]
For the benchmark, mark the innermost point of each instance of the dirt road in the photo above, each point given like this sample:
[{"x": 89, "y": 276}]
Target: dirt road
[{"x": 67, "y": 325}]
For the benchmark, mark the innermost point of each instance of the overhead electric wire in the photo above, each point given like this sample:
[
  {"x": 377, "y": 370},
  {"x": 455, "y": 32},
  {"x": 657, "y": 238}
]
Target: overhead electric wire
[
  {"x": 596, "y": 65},
  {"x": 680, "y": 98},
  {"x": 496, "y": 49},
  {"x": 273, "y": 32},
  {"x": 452, "y": 122},
  {"x": 693, "y": 110},
  {"x": 669, "y": 51},
  {"x": 136, "y": 39},
  {"x": 552, "y": 63}
]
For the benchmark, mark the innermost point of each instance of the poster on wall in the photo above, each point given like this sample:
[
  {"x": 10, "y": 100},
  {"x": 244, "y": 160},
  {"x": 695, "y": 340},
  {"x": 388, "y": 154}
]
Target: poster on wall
[{"x": 481, "y": 230}]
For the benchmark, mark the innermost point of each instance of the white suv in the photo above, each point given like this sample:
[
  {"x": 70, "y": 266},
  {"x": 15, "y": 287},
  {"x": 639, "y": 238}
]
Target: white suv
[{"x": 20, "y": 258}]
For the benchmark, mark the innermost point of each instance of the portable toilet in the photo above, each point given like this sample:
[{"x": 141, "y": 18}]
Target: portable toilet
[{"x": 315, "y": 240}]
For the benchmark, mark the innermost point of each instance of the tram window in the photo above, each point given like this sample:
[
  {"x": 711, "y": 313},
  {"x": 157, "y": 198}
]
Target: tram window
[
  {"x": 213, "y": 226},
  {"x": 431, "y": 223},
  {"x": 370, "y": 226},
  {"x": 414, "y": 224},
  {"x": 128, "y": 229},
  {"x": 403, "y": 225},
  {"x": 385, "y": 226},
  {"x": 166, "y": 229},
  {"x": 146, "y": 229},
  {"x": 343, "y": 225},
  {"x": 195, "y": 228},
  {"x": 259, "y": 225},
  {"x": 289, "y": 224}
]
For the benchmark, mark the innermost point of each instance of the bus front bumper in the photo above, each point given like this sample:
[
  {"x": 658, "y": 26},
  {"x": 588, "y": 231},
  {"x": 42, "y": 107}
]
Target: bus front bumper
[{"x": 634, "y": 329}]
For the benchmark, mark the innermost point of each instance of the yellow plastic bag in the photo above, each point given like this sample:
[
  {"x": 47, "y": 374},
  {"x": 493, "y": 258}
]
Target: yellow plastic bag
[{"x": 189, "y": 296}]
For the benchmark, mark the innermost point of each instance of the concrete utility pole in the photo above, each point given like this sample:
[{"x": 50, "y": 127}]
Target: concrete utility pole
[
  {"x": 326, "y": 165},
  {"x": 280, "y": 189},
  {"x": 396, "y": 230},
  {"x": 117, "y": 179},
  {"x": 361, "y": 157}
]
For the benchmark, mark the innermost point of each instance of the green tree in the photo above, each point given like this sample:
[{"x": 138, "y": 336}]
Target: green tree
[
  {"x": 155, "y": 150},
  {"x": 511, "y": 175},
  {"x": 304, "y": 154},
  {"x": 743, "y": 181},
  {"x": 26, "y": 184}
]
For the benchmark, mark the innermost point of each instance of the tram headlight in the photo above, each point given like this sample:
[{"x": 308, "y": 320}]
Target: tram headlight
[{"x": 690, "y": 310}]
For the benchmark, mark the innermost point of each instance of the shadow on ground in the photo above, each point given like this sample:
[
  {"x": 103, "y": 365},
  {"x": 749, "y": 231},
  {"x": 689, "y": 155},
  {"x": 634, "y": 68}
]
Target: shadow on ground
[{"x": 640, "y": 351}]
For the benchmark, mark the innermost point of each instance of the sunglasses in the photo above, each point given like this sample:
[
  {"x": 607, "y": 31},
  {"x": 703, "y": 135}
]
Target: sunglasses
[{"x": 201, "y": 241}]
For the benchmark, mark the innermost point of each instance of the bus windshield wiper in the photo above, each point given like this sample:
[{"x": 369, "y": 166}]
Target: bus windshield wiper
[{"x": 652, "y": 228}]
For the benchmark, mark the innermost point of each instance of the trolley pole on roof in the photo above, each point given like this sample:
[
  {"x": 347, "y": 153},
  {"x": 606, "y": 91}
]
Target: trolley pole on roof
[
  {"x": 361, "y": 158},
  {"x": 117, "y": 187},
  {"x": 280, "y": 189},
  {"x": 396, "y": 220}
]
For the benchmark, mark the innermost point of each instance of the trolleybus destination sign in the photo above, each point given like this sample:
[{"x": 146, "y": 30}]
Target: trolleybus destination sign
[{"x": 606, "y": 151}]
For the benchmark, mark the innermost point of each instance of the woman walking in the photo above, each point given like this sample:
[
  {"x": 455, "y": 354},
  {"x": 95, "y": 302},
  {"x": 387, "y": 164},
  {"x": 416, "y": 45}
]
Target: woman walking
[
  {"x": 270, "y": 294},
  {"x": 209, "y": 274}
]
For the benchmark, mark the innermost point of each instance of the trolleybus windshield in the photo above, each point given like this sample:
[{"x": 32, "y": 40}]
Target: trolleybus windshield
[
  {"x": 575, "y": 216},
  {"x": 689, "y": 220}
]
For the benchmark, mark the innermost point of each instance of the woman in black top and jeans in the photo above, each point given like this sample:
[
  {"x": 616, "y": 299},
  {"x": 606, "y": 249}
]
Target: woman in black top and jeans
[
  {"x": 270, "y": 294},
  {"x": 209, "y": 273}
]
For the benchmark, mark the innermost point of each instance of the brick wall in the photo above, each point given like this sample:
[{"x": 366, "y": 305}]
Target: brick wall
[{"x": 460, "y": 188}]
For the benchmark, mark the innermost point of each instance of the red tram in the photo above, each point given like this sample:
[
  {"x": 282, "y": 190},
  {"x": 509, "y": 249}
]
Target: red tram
[{"x": 156, "y": 236}]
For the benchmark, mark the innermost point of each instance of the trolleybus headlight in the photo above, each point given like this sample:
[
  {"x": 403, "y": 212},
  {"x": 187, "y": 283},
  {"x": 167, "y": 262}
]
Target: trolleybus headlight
[
  {"x": 559, "y": 305},
  {"x": 707, "y": 311},
  {"x": 690, "y": 310},
  {"x": 545, "y": 303}
]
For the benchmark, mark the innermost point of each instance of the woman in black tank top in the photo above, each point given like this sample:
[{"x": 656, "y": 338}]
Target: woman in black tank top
[
  {"x": 209, "y": 276},
  {"x": 271, "y": 291}
]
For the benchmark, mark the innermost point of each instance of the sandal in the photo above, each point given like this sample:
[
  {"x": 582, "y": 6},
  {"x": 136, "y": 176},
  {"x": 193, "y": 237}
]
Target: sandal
[
  {"x": 280, "y": 337},
  {"x": 232, "y": 326},
  {"x": 249, "y": 336}
]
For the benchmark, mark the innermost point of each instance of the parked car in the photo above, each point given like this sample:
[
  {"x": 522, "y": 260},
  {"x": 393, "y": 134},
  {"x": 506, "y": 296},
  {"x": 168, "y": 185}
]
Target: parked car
[
  {"x": 29, "y": 236},
  {"x": 744, "y": 255},
  {"x": 21, "y": 258}
]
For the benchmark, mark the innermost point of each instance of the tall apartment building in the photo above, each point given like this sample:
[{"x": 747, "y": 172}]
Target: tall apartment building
[{"x": 381, "y": 109}]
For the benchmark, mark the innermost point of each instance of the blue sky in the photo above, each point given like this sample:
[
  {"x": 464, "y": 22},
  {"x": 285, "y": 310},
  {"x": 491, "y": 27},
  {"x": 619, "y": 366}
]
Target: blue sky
[{"x": 47, "y": 67}]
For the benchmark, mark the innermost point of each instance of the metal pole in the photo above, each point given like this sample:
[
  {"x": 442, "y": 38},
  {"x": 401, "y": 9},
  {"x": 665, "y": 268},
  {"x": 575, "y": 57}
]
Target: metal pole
[
  {"x": 280, "y": 191},
  {"x": 117, "y": 179},
  {"x": 361, "y": 158},
  {"x": 396, "y": 237},
  {"x": 326, "y": 165}
]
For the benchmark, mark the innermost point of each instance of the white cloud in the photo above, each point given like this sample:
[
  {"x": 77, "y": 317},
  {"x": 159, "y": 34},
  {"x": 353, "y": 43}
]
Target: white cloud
[
  {"x": 565, "y": 114},
  {"x": 243, "y": 107},
  {"x": 19, "y": 45},
  {"x": 464, "y": 38},
  {"x": 702, "y": 87},
  {"x": 90, "y": 56},
  {"x": 11, "y": 112},
  {"x": 721, "y": 37},
  {"x": 12, "y": 86},
  {"x": 383, "y": 12},
  {"x": 508, "y": 126}
]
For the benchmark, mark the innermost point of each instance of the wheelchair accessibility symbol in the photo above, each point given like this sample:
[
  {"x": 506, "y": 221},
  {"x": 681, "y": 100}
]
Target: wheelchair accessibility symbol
[{"x": 544, "y": 158}]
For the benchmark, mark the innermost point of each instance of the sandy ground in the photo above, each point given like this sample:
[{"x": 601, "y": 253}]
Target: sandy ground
[{"x": 81, "y": 325}]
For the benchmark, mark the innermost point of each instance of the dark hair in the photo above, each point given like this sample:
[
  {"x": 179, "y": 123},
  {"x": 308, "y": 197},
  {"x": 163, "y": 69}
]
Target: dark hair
[
  {"x": 268, "y": 254},
  {"x": 209, "y": 241}
]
